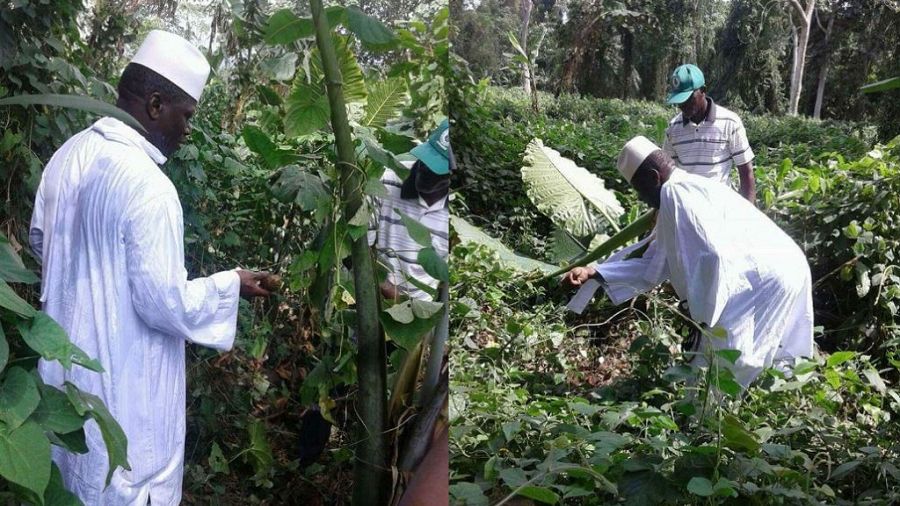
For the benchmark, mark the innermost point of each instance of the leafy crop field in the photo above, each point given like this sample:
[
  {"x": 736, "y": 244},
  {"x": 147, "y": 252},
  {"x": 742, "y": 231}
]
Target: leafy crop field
[{"x": 601, "y": 408}]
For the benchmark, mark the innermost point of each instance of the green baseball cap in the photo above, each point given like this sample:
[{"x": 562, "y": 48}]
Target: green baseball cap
[
  {"x": 683, "y": 82},
  {"x": 433, "y": 152}
]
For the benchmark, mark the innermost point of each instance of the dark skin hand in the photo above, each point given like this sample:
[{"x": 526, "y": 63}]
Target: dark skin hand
[
  {"x": 250, "y": 284},
  {"x": 577, "y": 276},
  {"x": 748, "y": 183},
  {"x": 389, "y": 290}
]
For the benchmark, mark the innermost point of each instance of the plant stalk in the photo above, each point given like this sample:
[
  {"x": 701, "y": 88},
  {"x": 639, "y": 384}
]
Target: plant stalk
[
  {"x": 370, "y": 475},
  {"x": 635, "y": 229},
  {"x": 436, "y": 351}
]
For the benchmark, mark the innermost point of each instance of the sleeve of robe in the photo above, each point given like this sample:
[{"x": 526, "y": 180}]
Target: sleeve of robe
[
  {"x": 35, "y": 230},
  {"x": 201, "y": 310},
  {"x": 624, "y": 278},
  {"x": 694, "y": 258}
]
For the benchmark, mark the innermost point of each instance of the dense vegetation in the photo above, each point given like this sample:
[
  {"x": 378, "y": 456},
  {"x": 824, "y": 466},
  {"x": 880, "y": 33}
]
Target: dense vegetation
[
  {"x": 601, "y": 407},
  {"x": 261, "y": 188},
  {"x": 628, "y": 49}
]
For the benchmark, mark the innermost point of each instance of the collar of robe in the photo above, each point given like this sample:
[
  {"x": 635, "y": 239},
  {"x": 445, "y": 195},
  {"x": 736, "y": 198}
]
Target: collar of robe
[{"x": 116, "y": 131}]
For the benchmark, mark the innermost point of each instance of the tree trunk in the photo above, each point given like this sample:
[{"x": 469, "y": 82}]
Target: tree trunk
[
  {"x": 802, "y": 20},
  {"x": 525, "y": 7},
  {"x": 627, "y": 61},
  {"x": 371, "y": 471},
  {"x": 823, "y": 71}
]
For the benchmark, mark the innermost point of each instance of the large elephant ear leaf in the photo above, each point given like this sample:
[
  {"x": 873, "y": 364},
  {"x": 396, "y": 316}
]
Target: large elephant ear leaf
[
  {"x": 572, "y": 197},
  {"x": 469, "y": 233}
]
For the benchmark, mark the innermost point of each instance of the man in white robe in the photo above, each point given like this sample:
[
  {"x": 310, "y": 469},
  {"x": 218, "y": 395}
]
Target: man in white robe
[
  {"x": 737, "y": 270},
  {"x": 108, "y": 228}
]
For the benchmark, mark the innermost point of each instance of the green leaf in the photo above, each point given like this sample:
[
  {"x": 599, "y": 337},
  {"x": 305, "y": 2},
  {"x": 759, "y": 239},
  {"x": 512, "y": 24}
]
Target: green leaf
[
  {"x": 259, "y": 452},
  {"x": 4, "y": 350},
  {"x": 80, "y": 103},
  {"x": 401, "y": 312},
  {"x": 394, "y": 142},
  {"x": 268, "y": 96},
  {"x": 19, "y": 397},
  {"x": 284, "y": 27},
  {"x": 729, "y": 355},
  {"x": 352, "y": 79},
  {"x": 217, "y": 461},
  {"x": 305, "y": 189},
  {"x": 11, "y": 267},
  {"x": 725, "y": 382},
  {"x": 281, "y": 68},
  {"x": 306, "y": 108},
  {"x": 113, "y": 435},
  {"x": 836, "y": 359},
  {"x": 407, "y": 335},
  {"x": 560, "y": 190},
  {"x": 805, "y": 367},
  {"x": 700, "y": 486},
  {"x": 541, "y": 494},
  {"x": 25, "y": 457},
  {"x": 384, "y": 102},
  {"x": 55, "y": 413},
  {"x": 736, "y": 436},
  {"x": 13, "y": 302},
  {"x": 56, "y": 493},
  {"x": 844, "y": 469},
  {"x": 433, "y": 264},
  {"x": 425, "y": 308},
  {"x": 258, "y": 142},
  {"x": 875, "y": 380},
  {"x": 72, "y": 441},
  {"x": 46, "y": 337},
  {"x": 513, "y": 476},
  {"x": 468, "y": 494},
  {"x": 471, "y": 234},
  {"x": 416, "y": 230},
  {"x": 563, "y": 247},
  {"x": 370, "y": 31},
  {"x": 885, "y": 85}
]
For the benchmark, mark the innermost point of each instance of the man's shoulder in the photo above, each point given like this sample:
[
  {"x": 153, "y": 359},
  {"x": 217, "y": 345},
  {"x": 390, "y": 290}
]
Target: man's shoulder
[
  {"x": 726, "y": 114},
  {"x": 676, "y": 121},
  {"x": 392, "y": 182}
]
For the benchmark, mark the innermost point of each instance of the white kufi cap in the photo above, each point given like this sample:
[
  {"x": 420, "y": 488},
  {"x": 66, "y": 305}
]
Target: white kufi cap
[
  {"x": 633, "y": 155},
  {"x": 175, "y": 59}
]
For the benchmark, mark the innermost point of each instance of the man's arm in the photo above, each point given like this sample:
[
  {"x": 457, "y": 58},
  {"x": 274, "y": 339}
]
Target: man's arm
[{"x": 748, "y": 182}]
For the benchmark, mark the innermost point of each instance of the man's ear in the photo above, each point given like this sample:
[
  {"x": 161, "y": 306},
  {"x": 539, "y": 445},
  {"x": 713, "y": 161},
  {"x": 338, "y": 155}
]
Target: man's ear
[{"x": 154, "y": 105}]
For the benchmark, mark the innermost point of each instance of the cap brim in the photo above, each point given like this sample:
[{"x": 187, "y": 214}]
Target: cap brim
[
  {"x": 680, "y": 97},
  {"x": 434, "y": 160}
]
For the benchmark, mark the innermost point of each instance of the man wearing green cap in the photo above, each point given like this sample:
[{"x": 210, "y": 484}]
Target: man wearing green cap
[
  {"x": 706, "y": 139},
  {"x": 422, "y": 196}
]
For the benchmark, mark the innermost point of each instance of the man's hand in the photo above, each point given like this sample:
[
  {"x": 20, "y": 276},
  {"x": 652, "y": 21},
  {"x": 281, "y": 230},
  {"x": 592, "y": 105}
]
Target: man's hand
[
  {"x": 250, "y": 284},
  {"x": 389, "y": 290},
  {"x": 578, "y": 275}
]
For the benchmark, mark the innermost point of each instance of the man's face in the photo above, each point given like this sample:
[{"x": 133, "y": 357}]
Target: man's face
[
  {"x": 691, "y": 107},
  {"x": 429, "y": 183},
  {"x": 172, "y": 124}
]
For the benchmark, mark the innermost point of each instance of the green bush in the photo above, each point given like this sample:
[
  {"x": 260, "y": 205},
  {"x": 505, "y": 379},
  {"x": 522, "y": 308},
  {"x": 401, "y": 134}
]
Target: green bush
[{"x": 492, "y": 132}]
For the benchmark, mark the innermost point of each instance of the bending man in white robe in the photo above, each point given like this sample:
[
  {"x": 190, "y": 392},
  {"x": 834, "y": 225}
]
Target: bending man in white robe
[
  {"x": 108, "y": 227},
  {"x": 734, "y": 266}
]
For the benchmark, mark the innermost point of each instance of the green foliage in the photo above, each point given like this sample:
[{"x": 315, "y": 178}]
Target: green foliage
[
  {"x": 523, "y": 416},
  {"x": 34, "y": 415}
]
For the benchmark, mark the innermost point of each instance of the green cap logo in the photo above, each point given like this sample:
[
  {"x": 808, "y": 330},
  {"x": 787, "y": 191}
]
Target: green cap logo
[
  {"x": 684, "y": 81},
  {"x": 433, "y": 152}
]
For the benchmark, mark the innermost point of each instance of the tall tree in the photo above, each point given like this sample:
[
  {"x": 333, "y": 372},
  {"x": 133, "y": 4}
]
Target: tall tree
[
  {"x": 801, "y": 16},
  {"x": 823, "y": 69},
  {"x": 525, "y": 7}
]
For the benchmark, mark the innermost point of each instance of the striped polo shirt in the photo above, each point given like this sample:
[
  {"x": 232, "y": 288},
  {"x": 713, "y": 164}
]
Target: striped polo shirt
[
  {"x": 709, "y": 149},
  {"x": 396, "y": 248}
]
